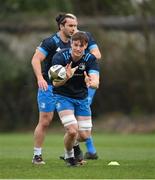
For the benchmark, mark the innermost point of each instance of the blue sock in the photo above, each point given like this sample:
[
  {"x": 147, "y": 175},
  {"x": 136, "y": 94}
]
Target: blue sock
[{"x": 90, "y": 145}]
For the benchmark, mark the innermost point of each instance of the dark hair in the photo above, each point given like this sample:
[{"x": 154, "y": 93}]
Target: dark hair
[
  {"x": 61, "y": 18},
  {"x": 81, "y": 36}
]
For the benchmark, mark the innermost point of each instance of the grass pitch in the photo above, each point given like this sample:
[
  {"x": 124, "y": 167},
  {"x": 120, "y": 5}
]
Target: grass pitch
[{"x": 135, "y": 153}]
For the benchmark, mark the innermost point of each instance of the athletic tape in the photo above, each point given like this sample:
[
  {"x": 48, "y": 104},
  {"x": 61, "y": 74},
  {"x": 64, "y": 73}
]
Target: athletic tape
[
  {"x": 68, "y": 119},
  {"x": 85, "y": 124}
]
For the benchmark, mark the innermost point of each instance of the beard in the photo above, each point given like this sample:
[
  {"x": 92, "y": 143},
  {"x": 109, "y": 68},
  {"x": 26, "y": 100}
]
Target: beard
[{"x": 68, "y": 35}]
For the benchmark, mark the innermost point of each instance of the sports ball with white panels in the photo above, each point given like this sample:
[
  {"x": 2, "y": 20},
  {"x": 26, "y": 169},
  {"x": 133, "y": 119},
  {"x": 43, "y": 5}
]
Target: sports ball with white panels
[{"x": 57, "y": 72}]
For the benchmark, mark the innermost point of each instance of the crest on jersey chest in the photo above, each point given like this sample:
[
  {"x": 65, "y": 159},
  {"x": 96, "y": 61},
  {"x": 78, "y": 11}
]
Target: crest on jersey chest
[{"x": 82, "y": 66}]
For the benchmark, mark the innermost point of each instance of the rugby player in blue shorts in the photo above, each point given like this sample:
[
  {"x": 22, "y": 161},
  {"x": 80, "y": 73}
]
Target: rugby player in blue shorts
[
  {"x": 67, "y": 24},
  {"x": 72, "y": 93}
]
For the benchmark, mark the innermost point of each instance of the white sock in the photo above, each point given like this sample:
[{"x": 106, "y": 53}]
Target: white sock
[
  {"x": 69, "y": 154},
  {"x": 37, "y": 151}
]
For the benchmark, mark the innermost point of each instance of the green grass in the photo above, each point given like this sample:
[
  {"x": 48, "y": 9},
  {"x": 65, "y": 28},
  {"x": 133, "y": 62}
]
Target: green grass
[{"x": 135, "y": 153}]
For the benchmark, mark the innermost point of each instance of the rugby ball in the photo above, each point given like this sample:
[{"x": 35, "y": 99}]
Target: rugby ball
[{"x": 57, "y": 73}]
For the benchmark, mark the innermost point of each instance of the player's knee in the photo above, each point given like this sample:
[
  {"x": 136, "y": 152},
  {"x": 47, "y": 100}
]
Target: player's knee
[
  {"x": 83, "y": 135},
  {"x": 72, "y": 132},
  {"x": 85, "y": 125},
  {"x": 45, "y": 120}
]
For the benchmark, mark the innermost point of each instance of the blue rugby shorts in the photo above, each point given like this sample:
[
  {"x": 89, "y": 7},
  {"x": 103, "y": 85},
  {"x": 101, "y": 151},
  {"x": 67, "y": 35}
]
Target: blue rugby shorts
[
  {"x": 80, "y": 107},
  {"x": 46, "y": 100}
]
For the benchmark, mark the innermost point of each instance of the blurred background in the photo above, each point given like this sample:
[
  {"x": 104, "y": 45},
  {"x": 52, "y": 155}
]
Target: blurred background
[{"x": 125, "y": 33}]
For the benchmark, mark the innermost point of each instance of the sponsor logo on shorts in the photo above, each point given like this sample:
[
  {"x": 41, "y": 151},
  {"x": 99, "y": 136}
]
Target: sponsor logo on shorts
[
  {"x": 43, "y": 105},
  {"x": 58, "y": 105}
]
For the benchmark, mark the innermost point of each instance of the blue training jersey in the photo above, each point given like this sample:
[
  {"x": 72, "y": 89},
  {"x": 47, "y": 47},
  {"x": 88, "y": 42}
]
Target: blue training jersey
[
  {"x": 52, "y": 45},
  {"x": 75, "y": 87}
]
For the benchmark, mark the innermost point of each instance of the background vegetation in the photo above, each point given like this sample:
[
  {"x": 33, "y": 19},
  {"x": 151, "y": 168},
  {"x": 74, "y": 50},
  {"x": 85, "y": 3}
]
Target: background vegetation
[{"x": 127, "y": 65}]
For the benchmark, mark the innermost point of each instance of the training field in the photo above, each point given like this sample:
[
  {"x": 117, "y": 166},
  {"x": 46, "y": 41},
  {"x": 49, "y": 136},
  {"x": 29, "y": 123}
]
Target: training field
[{"x": 135, "y": 153}]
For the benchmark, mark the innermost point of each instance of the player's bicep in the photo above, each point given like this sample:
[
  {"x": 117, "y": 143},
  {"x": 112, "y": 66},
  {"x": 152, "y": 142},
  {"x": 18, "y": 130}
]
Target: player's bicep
[
  {"x": 96, "y": 52},
  {"x": 38, "y": 56},
  {"x": 42, "y": 51}
]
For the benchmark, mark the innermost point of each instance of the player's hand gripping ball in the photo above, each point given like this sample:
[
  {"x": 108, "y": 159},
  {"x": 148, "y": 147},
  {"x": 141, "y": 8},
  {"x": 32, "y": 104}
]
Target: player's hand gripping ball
[{"x": 57, "y": 73}]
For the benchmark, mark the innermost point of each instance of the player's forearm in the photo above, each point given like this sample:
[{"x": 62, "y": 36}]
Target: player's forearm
[
  {"x": 94, "y": 81},
  {"x": 38, "y": 57},
  {"x": 36, "y": 64},
  {"x": 95, "y": 85}
]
